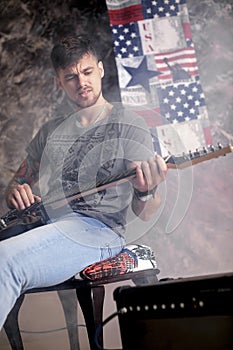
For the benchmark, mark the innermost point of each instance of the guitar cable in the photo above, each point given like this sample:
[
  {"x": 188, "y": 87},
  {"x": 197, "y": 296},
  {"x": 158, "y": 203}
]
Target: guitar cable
[{"x": 101, "y": 326}]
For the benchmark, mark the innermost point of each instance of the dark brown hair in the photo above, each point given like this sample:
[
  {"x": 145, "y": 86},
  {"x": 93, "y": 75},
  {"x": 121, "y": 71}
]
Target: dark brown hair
[{"x": 71, "y": 48}]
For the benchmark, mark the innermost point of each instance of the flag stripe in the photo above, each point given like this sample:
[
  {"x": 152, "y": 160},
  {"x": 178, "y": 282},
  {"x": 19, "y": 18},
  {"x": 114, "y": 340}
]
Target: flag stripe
[
  {"x": 208, "y": 136},
  {"x": 187, "y": 30},
  {"x": 126, "y": 15},
  {"x": 183, "y": 59},
  {"x": 152, "y": 117}
]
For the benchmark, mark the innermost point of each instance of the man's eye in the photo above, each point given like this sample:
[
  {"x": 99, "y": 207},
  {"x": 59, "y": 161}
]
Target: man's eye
[
  {"x": 88, "y": 72},
  {"x": 70, "y": 77}
]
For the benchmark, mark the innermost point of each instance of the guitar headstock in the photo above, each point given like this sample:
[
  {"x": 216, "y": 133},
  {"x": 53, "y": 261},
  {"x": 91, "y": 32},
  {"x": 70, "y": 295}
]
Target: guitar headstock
[{"x": 198, "y": 156}]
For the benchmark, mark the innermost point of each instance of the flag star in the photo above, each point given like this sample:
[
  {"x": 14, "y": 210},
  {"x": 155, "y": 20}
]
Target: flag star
[
  {"x": 114, "y": 30},
  {"x": 133, "y": 35},
  {"x": 154, "y": 3},
  {"x": 187, "y": 119},
  {"x": 202, "y": 95},
  {"x": 192, "y": 111},
  {"x": 148, "y": 10},
  {"x": 121, "y": 37},
  {"x": 178, "y": 100},
  {"x": 128, "y": 42},
  {"x": 130, "y": 55},
  {"x": 173, "y": 107},
  {"x": 180, "y": 114},
  {"x": 167, "y": 115},
  {"x": 116, "y": 43},
  {"x": 171, "y": 93},
  {"x": 161, "y": 9},
  {"x": 141, "y": 75},
  {"x": 166, "y": 2},
  {"x": 123, "y": 50},
  {"x": 126, "y": 30},
  {"x": 175, "y": 121},
  {"x": 183, "y": 92},
  {"x": 195, "y": 89},
  {"x": 167, "y": 14},
  {"x": 135, "y": 48},
  {"x": 190, "y": 97},
  {"x": 186, "y": 105},
  {"x": 166, "y": 100},
  {"x": 197, "y": 103},
  {"x": 172, "y": 8}
]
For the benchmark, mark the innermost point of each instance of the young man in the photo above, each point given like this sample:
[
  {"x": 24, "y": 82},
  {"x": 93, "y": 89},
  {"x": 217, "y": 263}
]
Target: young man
[{"x": 97, "y": 141}]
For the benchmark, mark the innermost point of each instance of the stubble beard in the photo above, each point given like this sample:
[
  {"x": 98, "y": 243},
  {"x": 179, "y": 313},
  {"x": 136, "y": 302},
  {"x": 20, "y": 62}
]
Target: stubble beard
[{"x": 86, "y": 102}]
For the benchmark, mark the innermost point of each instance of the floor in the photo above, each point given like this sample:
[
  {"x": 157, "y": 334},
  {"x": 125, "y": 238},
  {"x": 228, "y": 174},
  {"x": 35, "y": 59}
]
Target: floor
[{"x": 42, "y": 324}]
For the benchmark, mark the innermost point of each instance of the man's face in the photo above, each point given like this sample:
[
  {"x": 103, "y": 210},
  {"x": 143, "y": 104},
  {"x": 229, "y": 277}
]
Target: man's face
[{"x": 81, "y": 81}]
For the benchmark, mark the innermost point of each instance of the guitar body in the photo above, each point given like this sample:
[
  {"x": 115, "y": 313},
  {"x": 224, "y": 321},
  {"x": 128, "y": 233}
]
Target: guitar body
[{"x": 19, "y": 226}]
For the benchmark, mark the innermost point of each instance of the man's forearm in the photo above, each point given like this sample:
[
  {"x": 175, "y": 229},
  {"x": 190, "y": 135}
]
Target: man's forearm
[
  {"x": 146, "y": 210},
  {"x": 27, "y": 174}
]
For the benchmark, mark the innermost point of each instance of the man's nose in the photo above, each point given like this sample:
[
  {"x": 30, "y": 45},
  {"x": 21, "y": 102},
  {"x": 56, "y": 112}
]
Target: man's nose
[{"x": 81, "y": 80}]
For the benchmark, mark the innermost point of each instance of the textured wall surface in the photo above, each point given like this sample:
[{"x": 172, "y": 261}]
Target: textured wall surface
[{"x": 201, "y": 242}]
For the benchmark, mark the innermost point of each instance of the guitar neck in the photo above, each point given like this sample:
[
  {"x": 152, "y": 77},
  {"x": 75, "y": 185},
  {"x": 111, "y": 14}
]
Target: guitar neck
[
  {"x": 92, "y": 188},
  {"x": 196, "y": 157}
]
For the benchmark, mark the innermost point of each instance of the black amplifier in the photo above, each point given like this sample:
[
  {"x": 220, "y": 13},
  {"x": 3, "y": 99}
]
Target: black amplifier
[{"x": 177, "y": 314}]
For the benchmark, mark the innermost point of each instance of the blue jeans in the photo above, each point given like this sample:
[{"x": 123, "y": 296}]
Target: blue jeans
[{"x": 51, "y": 254}]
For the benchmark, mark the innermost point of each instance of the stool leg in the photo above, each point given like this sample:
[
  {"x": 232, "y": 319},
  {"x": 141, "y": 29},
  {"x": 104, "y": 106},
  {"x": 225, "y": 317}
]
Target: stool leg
[
  {"x": 11, "y": 326},
  {"x": 69, "y": 304},
  {"x": 91, "y": 300}
]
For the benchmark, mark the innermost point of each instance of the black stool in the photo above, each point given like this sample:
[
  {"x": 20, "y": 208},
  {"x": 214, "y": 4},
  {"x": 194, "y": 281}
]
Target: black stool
[{"x": 90, "y": 295}]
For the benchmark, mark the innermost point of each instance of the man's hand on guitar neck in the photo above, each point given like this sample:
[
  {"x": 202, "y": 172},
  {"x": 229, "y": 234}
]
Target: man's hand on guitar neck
[
  {"x": 20, "y": 196},
  {"x": 149, "y": 174}
]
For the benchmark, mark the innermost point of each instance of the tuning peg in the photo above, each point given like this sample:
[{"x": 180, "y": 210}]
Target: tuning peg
[
  {"x": 190, "y": 155},
  {"x": 205, "y": 150},
  {"x": 196, "y": 153},
  {"x": 212, "y": 148}
]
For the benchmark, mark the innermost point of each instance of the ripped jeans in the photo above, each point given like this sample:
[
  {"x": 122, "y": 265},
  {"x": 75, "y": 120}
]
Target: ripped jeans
[{"x": 51, "y": 254}]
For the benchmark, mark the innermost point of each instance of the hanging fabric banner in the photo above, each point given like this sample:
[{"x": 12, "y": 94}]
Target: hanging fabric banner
[{"x": 158, "y": 71}]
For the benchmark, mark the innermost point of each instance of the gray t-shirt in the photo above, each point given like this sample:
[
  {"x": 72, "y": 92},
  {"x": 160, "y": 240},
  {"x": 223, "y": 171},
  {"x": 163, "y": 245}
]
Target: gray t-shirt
[{"x": 79, "y": 157}]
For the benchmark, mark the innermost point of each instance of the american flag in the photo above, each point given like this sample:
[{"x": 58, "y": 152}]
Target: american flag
[{"x": 158, "y": 71}]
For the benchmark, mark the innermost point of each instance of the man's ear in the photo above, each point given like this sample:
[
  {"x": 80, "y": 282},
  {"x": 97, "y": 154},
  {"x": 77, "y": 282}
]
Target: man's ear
[
  {"x": 101, "y": 68},
  {"x": 58, "y": 81}
]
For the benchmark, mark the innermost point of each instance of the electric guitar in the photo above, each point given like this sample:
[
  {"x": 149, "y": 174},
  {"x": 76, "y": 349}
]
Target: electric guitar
[{"x": 18, "y": 221}]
